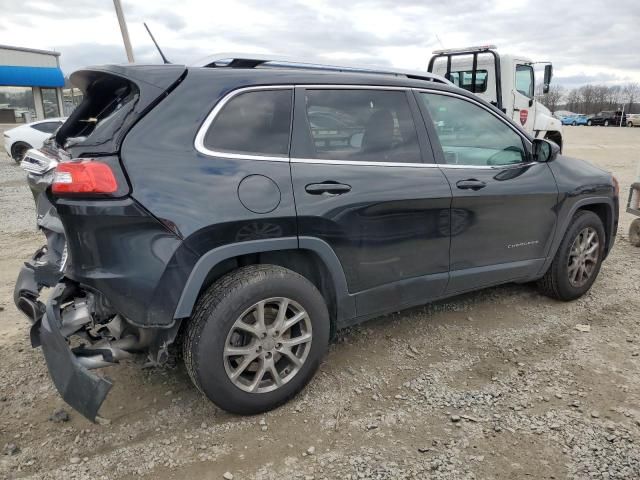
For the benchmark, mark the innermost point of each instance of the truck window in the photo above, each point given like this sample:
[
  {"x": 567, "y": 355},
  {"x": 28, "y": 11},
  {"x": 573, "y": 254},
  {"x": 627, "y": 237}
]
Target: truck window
[
  {"x": 524, "y": 80},
  {"x": 463, "y": 80}
]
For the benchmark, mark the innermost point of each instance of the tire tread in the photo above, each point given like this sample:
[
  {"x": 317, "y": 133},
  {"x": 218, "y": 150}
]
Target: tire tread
[{"x": 228, "y": 286}]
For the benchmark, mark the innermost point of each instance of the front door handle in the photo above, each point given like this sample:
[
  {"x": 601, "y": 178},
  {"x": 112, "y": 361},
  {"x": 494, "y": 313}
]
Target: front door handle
[
  {"x": 328, "y": 187},
  {"x": 471, "y": 184}
]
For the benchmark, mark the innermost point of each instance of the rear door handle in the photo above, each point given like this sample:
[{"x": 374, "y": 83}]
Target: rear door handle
[
  {"x": 328, "y": 187},
  {"x": 470, "y": 184}
]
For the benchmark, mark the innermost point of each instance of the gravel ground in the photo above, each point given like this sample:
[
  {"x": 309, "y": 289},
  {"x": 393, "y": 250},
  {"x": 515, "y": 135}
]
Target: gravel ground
[{"x": 496, "y": 384}]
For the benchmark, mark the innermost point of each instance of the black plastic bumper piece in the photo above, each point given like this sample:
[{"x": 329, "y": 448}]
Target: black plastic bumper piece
[
  {"x": 26, "y": 292},
  {"x": 32, "y": 277},
  {"x": 81, "y": 389}
]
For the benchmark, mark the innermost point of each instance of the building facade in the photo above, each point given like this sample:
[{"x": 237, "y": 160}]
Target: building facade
[{"x": 30, "y": 85}]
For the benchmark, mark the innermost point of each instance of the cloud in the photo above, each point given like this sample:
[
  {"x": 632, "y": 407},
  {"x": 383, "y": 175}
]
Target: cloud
[
  {"x": 591, "y": 38},
  {"x": 601, "y": 78}
]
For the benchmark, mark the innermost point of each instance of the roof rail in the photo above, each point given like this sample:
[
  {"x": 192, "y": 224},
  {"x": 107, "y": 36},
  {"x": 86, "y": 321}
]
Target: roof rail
[{"x": 243, "y": 60}]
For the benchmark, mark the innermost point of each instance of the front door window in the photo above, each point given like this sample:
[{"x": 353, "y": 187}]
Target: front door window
[
  {"x": 470, "y": 135},
  {"x": 524, "y": 80}
]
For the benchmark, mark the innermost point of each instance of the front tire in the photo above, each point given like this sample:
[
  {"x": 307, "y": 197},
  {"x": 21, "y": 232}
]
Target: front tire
[
  {"x": 589, "y": 123},
  {"x": 606, "y": 123},
  {"x": 257, "y": 337},
  {"x": 578, "y": 259},
  {"x": 629, "y": 124}
]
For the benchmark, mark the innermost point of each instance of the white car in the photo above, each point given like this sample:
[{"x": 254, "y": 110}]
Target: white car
[{"x": 32, "y": 135}]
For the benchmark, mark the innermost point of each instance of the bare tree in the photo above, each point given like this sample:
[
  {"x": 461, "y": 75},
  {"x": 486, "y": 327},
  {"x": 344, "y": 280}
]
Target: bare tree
[
  {"x": 552, "y": 98},
  {"x": 630, "y": 93},
  {"x": 590, "y": 98}
]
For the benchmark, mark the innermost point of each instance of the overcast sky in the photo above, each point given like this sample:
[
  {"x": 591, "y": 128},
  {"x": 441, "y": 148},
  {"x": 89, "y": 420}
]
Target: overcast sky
[{"x": 588, "y": 41}]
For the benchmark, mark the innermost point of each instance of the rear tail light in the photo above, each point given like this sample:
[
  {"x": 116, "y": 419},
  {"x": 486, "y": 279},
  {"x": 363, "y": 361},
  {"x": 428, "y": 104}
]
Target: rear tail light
[{"x": 84, "y": 176}]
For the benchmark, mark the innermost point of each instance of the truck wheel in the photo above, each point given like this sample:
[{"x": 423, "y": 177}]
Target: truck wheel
[
  {"x": 578, "y": 259},
  {"x": 257, "y": 337},
  {"x": 634, "y": 233}
]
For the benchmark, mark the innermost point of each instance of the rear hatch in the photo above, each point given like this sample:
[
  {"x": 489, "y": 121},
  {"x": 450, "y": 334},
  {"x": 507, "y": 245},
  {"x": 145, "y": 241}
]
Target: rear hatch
[{"x": 115, "y": 97}]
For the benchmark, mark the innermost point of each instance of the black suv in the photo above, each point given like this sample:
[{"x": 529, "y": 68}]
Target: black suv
[
  {"x": 605, "y": 119},
  {"x": 245, "y": 210}
]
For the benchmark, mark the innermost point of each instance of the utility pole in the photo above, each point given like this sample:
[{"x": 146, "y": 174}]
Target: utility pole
[{"x": 124, "y": 30}]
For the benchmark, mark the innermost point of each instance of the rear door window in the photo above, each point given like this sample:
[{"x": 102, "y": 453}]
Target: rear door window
[
  {"x": 361, "y": 125},
  {"x": 253, "y": 123}
]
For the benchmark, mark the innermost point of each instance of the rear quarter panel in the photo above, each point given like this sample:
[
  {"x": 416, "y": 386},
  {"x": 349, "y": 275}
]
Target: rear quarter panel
[
  {"x": 197, "y": 194},
  {"x": 193, "y": 194}
]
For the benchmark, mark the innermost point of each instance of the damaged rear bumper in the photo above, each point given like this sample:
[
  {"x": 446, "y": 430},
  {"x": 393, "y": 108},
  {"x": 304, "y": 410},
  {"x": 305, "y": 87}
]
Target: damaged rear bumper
[
  {"x": 81, "y": 389},
  {"x": 104, "y": 340}
]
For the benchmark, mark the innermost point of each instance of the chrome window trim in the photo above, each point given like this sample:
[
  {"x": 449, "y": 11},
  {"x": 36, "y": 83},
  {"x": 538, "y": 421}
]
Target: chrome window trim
[
  {"x": 490, "y": 167},
  {"x": 400, "y": 164},
  {"x": 328, "y": 86},
  {"x": 364, "y": 164},
  {"x": 200, "y": 147},
  {"x": 204, "y": 128}
]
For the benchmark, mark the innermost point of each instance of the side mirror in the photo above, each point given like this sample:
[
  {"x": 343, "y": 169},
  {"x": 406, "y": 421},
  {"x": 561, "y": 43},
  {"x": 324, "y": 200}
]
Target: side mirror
[
  {"x": 544, "y": 150},
  {"x": 548, "y": 73}
]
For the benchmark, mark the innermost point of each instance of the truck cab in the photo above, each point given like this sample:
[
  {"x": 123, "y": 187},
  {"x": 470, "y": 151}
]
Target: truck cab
[{"x": 506, "y": 81}]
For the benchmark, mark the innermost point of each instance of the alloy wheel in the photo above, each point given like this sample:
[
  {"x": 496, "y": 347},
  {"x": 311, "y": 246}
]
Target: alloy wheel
[
  {"x": 583, "y": 257},
  {"x": 267, "y": 345}
]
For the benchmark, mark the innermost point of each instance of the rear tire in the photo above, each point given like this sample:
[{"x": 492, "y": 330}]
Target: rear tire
[
  {"x": 629, "y": 124},
  {"x": 263, "y": 373},
  {"x": 560, "y": 282},
  {"x": 18, "y": 151},
  {"x": 589, "y": 123},
  {"x": 606, "y": 123}
]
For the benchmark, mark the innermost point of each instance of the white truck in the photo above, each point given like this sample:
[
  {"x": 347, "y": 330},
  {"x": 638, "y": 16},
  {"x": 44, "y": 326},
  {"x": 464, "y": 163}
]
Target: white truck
[{"x": 507, "y": 81}]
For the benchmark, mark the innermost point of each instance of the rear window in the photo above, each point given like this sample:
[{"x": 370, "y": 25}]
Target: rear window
[
  {"x": 108, "y": 99},
  {"x": 253, "y": 123},
  {"x": 47, "y": 127}
]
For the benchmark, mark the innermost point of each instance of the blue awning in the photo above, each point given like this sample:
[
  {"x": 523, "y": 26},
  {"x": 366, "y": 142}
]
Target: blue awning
[{"x": 31, "y": 76}]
